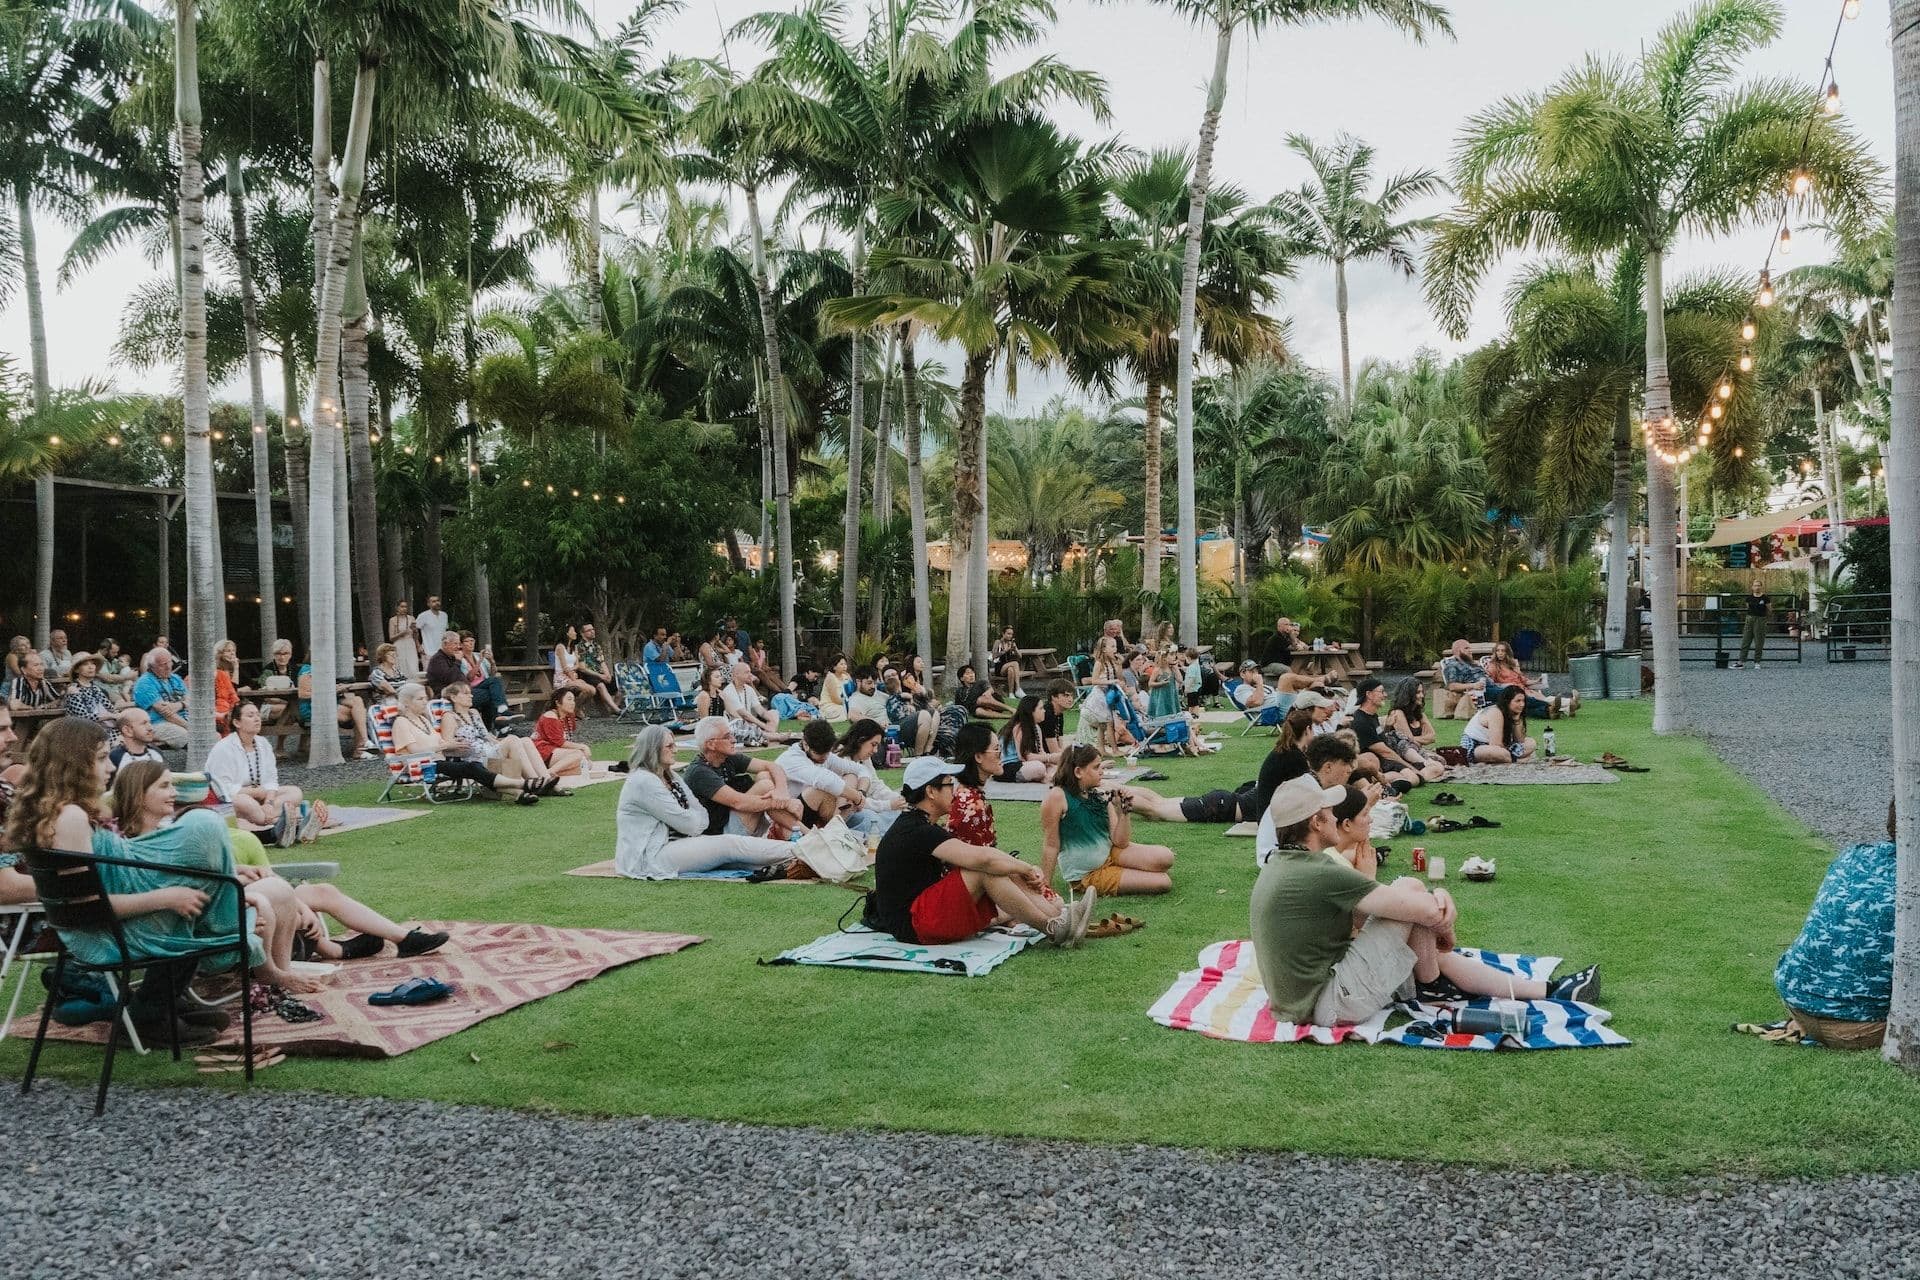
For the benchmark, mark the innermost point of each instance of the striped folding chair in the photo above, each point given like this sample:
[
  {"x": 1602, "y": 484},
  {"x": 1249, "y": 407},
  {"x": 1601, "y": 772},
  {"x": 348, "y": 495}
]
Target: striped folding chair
[{"x": 413, "y": 777}]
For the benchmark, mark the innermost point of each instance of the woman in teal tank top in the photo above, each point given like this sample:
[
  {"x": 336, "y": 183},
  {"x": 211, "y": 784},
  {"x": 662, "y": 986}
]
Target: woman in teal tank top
[{"x": 1088, "y": 835}]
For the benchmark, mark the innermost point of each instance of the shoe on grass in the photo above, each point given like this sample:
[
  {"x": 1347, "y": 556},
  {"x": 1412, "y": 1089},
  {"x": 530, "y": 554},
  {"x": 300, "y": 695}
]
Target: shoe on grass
[
  {"x": 1577, "y": 988},
  {"x": 194, "y": 1014},
  {"x": 1081, "y": 915},
  {"x": 309, "y": 829},
  {"x": 280, "y": 834},
  {"x": 419, "y": 943}
]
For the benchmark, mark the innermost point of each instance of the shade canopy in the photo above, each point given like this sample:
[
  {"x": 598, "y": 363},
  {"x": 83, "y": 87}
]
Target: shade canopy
[{"x": 1752, "y": 528}]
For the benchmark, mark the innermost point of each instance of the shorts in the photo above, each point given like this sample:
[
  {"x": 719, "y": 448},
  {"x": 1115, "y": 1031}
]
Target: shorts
[
  {"x": 1010, "y": 771},
  {"x": 1214, "y": 806},
  {"x": 1376, "y": 970},
  {"x": 945, "y": 912},
  {"x": 1103, "y": 879},
  {"x": 1836, "y": 1033}
]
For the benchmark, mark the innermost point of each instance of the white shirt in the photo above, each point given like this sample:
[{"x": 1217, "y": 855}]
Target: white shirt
[
  {"x": 831, "y": 777},
  {"x": 743, "y": 703},
  {"x": 58, "y": 667},
  {"x": 649, "y": 814},
  {"x": 867, "y": 706},
  {"x": 229, "y": 764},
  {"x": 433, "y": 625}
]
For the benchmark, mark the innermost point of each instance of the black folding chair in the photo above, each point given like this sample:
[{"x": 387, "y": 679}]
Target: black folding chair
[{"x": 74, "y": 897}]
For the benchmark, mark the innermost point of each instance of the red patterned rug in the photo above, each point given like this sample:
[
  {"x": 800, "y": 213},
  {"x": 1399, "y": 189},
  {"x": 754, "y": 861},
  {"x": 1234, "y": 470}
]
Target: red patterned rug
[{"x": 492, "y": 967}]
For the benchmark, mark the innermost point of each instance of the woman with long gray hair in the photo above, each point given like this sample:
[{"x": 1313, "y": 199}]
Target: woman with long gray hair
[{"x": 661, "y": 823}]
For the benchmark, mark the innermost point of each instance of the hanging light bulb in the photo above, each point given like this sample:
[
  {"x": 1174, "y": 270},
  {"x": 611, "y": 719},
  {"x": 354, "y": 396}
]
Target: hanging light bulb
[
  {"x": 1831, "y": 104},
  {"x": 53, "y": 441},
  {"x": 549, "y": 488},
  {"x": 1746, "y": 362},
  {"x": 1739, "y": 452},
  {"x": 1747, "y": 331},
  {"x": 1802, "y": 182},
  {"x": 526, "y": 484},
  {"x": 260, "y": 431},
  {"x": 473, "y": 468},
  {"x": 1850, "y": 10},
  {"x": 1806, "y": 465},
  {"x": 408, "y": 451},
  {"x": 114, "y": 441},
  {"x": 166, "y": 438},
  {"x": 1715, "y": 411},
  {"x": 219, "y": 435},
  {"x": 1765, "y": 297},
  {"x": 374, "y": 436},
  {"x": 437, "y": 459},
  {"x": 622, "y": 499},
  {"x": 1786, "y": 240},
  {"x": 1724, "y": 391}
]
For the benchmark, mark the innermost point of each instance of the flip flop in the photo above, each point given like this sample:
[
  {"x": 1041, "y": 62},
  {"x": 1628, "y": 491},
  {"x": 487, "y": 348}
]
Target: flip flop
[
  {"x": 1447, "y": 799},
  {"x": 413, "y": 991},
  {"x": 1151, "y": 775},
  {"x": 1619, "y": 765},
  {"x": 1440, "y": 826},
  {"x": 1485, "y": 823}
]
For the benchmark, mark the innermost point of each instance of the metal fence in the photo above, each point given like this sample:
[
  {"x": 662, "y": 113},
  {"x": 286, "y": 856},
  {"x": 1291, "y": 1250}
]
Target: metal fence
[
  {"x": 1711, "y": 627},
  {"x": 1859, "y": 628}
]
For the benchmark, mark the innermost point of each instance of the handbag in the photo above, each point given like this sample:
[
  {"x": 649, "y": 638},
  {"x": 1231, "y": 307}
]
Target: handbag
[
  {"x": 834, "y": 851},
  {"x": 277, "y": 683}
]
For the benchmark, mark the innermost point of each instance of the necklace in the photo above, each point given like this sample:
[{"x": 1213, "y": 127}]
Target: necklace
[{"x": 253, "y": 763}]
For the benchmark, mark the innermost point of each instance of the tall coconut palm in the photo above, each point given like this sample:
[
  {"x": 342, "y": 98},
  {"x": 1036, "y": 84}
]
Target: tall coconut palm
[
  {"x": 1619, "y": 155},
  {"x": 1334, "y": 219},
  {"x": 1417, "y": 18},
  {"x": 1903, "y": 506}
]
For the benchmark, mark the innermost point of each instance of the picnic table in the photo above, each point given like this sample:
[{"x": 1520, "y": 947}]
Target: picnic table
[
  {"x": 1041, "y": 661},
  {"x": 283, "y": 726},
  {"x": 1328, "y": 662},
  {"x": 526, "y": 682}
]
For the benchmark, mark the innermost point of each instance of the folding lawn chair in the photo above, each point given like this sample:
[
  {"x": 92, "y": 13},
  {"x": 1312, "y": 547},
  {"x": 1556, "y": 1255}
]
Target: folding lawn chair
[
  {"x": 1267, "y": 716},
  {"x": 636, "y": 692},
  {"x": 1149, "y": 733},
  {"x": 668, "y": 696},
  {"x": 413, "y": 776}
]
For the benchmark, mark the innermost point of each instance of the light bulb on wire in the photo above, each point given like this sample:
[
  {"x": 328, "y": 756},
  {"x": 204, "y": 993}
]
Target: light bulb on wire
[
  {"x": 1786, "y": 240},
  {"x": 1831, "y": 103},
  {"x": 1746, "y": 362},
  {"x": 1765, "y": 296},
  {"x": 1802, "y": 182},
  {"x": 1747, "y": 331},
  {"x": 1724, "y": 391},
  {"x": 1715, "y": 411},
  {"x": 1850, "y": 10}
]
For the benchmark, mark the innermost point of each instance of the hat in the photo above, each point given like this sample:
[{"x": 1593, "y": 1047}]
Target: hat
[
  {"x": 86, "y": 655},
  {"x": 1298, "y": 799},
  {"x": 1249, "y": 665},
  {"x": 924, "y": 769},
  {"x": 1311, "y": 698}
]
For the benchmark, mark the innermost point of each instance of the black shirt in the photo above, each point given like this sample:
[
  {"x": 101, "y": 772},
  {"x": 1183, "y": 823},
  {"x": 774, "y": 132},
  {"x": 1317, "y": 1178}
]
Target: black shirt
[
  {"x": 903, "y": 869},
  {"x": 967, "y": 694},
  {"x": 705, "y": 781},
  {"x": 1050, "y": 724},
  {"x": 1756, "y": 606},
  {"x": 1366, "y": 728},
  {"x": 1278, "y": 767},
  {"x": 1279, "y": 648}
]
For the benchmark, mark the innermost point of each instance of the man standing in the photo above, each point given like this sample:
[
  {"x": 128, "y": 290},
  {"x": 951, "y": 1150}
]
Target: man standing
[
  {"x": 1318, "y": 969},
  {"x": 743, "y": 796},
  {"x": 57, "y": 656},
  {"x": 432, "y": 624},
  {"x": 163, "y": 696},
  {"x": 1753, "y": 636}
]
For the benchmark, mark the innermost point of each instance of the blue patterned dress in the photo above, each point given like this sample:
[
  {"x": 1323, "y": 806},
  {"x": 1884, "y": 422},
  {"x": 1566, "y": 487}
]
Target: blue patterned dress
[{"x": 1841, "y": 965}]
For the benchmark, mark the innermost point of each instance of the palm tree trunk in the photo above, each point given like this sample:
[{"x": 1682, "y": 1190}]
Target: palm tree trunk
[
  {"x": 324, "y": 745},
  {"x": 1240, "y": 539},
  {"x": 1150, "y": 521},
  {"x": 393, "y": 563},
  {"x": 1661, "y": 538},
  {"x": 1346, "y": 346},
  {"x": 883, "y": 463},
  {"x": 342, "y": 557},
  {"x": 431, "y": 520},
  {"x": 777, "y": 415},
  {"x": 1189, "y": 540},
  {"x": 1830, "y": 455},
  {"x": 361, "y": 492},
  {"x": 596, "y": 299},
  {"x": 1619, "y": 527},
  {"x": 257, "y": 407},
  {"x": 206, "y": 607},
  {"x": 293, "y": 440},
  {"x": 856, "y": 432},
  {"x": 916, "y": 494},
  {"x": 982, "y": 576},
  {"x": 42, "y": 396},
  {"x": 763, "y": 411},
  {"x": 965, "y": 513}
]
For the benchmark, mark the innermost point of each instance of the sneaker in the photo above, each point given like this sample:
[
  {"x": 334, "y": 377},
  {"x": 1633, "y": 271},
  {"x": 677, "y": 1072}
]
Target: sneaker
[
  {"x": 280, "y": 834},
  {"x": 1080, "y": 914},
  {"x": 1577, "y": 988},
  {"x": 1736, "y": 665},
  {"x": 1059, "y": 930},
  {"x": 309, "y": 829},
  {"x": 361, "y": 946},
  {"x": 199, "y": 1015},
  {"x": 1440, "y": 991},
  {"x": 418, "y": 943}
]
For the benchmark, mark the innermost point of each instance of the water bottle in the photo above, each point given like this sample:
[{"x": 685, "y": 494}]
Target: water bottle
[
  {"x": 1547, "y": 738},
  {"x": 893, "y": 749}
]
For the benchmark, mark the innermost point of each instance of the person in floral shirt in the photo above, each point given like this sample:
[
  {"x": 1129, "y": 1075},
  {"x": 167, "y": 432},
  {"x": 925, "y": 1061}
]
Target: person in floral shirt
[
  {"x": 977, "y": 753},
  {"x": 1837, "y": 977}
]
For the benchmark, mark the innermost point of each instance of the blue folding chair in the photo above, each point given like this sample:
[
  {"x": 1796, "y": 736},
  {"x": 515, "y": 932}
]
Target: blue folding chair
[
  {"x": 668, "y": 696},
  {"x": 636, "y": 691},
  {"x": 1266, "y": 716}
]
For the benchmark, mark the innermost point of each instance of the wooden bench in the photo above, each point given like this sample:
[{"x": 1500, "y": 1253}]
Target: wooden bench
[{"x": 527, "y": 684}]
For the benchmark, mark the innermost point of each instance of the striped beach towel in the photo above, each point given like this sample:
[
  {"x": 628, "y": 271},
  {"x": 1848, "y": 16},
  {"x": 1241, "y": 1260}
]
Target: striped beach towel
[{"x": 1223, "y": 999}]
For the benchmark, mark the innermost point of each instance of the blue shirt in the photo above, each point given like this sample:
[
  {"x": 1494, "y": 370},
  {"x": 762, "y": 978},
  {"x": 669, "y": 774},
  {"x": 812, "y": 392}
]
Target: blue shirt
[
  {"x": 651, "y": 653},
  {"x": 1841, "y": 965},
  {"x": 149, "y": 689}
]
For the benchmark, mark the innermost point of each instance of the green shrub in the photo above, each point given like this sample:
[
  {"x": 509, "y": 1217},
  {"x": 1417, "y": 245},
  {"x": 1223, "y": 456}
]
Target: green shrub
[{"x": 1418, "y": 611}]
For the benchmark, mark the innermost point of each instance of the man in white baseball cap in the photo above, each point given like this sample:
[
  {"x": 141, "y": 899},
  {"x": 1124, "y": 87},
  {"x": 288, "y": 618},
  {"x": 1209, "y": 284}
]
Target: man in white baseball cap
[
  {"x": 931, "y": 888},
  {"x": 1317, "y": 969}
]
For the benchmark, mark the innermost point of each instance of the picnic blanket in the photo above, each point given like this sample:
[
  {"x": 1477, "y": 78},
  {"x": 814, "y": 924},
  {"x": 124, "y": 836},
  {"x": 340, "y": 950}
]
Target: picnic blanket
[
  {"x": 738, "y": 875},
  {"x": 492, "y": 967},
  {"x": 862, "y": 948},
  {"x": 1528, "y": 772},
  {"x": 577, "y": 781},
  {"x": 1221, "y": 717},
  {"x": 345, "y": 818},
  {"x": 1035, "y": 792},
  {"x": 1223, "y": 999}
]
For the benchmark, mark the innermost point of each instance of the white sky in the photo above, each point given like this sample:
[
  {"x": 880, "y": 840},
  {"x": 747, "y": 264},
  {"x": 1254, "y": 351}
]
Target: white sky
[{"x": 1410, "y": 102}]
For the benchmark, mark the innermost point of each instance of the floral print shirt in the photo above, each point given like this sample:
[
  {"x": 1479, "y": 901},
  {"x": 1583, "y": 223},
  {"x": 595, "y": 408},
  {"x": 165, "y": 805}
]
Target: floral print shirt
[
  {"x": 1841, "y": 965},
  {"x": 971, "y": 818}
]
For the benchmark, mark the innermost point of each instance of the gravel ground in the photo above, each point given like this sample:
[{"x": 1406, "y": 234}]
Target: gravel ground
[
  {"x": 1816, "y": 737},
  {"x": 402, "y": 1189}
]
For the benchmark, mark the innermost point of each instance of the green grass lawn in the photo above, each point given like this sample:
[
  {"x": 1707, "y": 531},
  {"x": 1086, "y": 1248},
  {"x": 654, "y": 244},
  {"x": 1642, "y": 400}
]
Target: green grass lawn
[{"x": 1685, "y": 883}]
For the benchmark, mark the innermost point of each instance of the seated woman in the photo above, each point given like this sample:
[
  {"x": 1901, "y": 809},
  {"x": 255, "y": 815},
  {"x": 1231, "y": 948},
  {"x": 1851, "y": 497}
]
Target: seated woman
[
  {"x": 1088, "y": 835},
  {"x": 915, "y": 723},
  {"x": 1407, "y": 729},
  {"x": 226, "y": 684},
  {"x": 415, "y": 734},
  {"x": 385, "y": 675},
  {"x": 58, "y": 807},
  {"x": 976, "y": 749},
  {"x": 569, "y": 674},
  {"x": 661, "y": 824},
  {"x": 769, "y": 679},
  {"x": 743, "y": 706},
  {"x": 88, "y": 698},
  {"x": 1837, "y": 977},
  {"x": 833, "y": 691},
  {"x": 1023, "y": 755},
  {"x": 1005, "y": 662},
  {"x": 857, "y": 746},
  {"x": 553, "y": 737},
  {"x": 976, "y": 696},
  {"x": 1498, "y": 734},
  {"x": 349, "y": 711},
  {"x": 1502, "y": 669},
  {"x": 464, "y": 733},
  {"x": 243, "y": 765}
]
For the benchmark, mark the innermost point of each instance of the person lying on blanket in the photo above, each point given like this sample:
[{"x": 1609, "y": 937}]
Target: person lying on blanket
[
  {"x": 1319, "y": 968},
  {"x": 1088, "y": 834},
  {"x": 1837, "y": 977},
  {"x": 932, "y": 888}
]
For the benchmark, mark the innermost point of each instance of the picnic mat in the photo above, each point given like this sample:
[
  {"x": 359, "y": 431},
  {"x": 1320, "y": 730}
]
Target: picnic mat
[
  {"x": 575, "y": 783},
  {"x": 493, "y": 968},
  {"x": 1035, "y": 792},
  {"x": 1221, "y": 717},
  {"x": 861, "y": 948},
  {"x": 345, "y": 818},
  {"x": 1543, "y": 774},
  {"x": 1223, "y": 999},
  {"x": 606, "y": 871}
]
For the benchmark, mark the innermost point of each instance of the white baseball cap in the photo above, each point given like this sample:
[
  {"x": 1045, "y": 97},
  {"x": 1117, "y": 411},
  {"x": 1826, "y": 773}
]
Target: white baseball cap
[
  {"x": 1298, "y": 799},
  {"x": 924, "y": 769}
]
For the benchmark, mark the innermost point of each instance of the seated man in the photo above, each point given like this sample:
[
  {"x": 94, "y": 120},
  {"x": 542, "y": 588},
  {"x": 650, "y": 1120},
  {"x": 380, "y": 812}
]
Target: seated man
[
  {"x": 163, "y": 696},
  {"x": 1464, "y": 682},
  {"x": 448, "y": 665},
  {"x": 1371, "y": 697},
  {"x": 57, "y": 656},
  {"x": 825, "y": 782},
  {"x": 931, "y": 888},
  {"x": 590, "y": 657},
  {"x": 1252, "y": 691},
  {"x": 866, "y": 702},
  {"x": 1837, "y": 977},
  {"x": 489, "y": 690},
  {"x": 31, "y": 689},
  {"x": 1335, "y": 947},
  {"x": 136, "y": 740},
  {"x": 743, "y": 796},
  {"x": 655, "y": 650},
  {"x": 1282, "y": 644}
]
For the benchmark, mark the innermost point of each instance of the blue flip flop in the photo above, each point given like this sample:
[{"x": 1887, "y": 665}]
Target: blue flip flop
[{"x": 413, "y": 991}]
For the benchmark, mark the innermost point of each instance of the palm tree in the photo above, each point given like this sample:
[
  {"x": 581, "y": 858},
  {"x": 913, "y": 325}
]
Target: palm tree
[
  {"x": 1903, "y": 506},
  {"x": 1416, "y": 18},
  {"x": 1241, "y": 258},
  {"x": 1558, "y": 392},
  {"x": 1334, "y": 219},
  {"x": 1622, "y": 155},
  {"x": 1043, "y": 490}
]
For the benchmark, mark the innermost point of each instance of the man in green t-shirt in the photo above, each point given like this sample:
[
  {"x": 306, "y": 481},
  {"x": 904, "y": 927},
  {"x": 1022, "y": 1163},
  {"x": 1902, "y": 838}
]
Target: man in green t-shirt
[{"x": 1336, "y": 947}]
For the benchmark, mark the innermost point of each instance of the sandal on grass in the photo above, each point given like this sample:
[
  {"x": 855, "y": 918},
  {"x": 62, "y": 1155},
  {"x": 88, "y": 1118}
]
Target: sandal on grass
[
  {"x": 1485, "y": 824},
  {"x": 1115, "y": 925},
  {"x": 1447, "y": 799},
  {"x": 1621, "y": 766},
  {"x": 1440, "y": 826}
]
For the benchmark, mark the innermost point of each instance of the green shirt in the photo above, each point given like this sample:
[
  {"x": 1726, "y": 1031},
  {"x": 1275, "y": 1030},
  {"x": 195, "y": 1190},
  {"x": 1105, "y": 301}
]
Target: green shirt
[{"x": 1302, "y": 922}]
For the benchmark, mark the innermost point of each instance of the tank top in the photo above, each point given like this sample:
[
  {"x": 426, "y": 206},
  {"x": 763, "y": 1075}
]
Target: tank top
[{"x": 1085, "y": 838}]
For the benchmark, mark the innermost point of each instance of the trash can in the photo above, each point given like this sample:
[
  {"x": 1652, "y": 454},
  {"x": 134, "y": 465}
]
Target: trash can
[
  {"x": 1623, "y": 674},
  {"x": 1589, "y": 674}
]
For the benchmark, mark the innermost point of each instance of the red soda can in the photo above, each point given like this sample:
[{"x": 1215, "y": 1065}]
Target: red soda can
[{"x": 1419, "y": 858}]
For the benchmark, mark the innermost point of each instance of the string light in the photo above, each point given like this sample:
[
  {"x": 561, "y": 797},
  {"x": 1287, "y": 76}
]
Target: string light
[
  {"x": 374, "y": 437},
  {"x": 1716, "y": 411},
  {"x": 114, "y": 440},
  {"x": 1765, "y": 296},
  {"x": 219, "y": 435},
  {"x": 1746, "y": 362},
  {"x": 1850, "y": 10},
  {"x": 436, "y": 459},
  {"x": 526, "y": 484},
  {"x": 1802, "y": 182},
  {"x": 166, "y": 438},
  {"x": 53, "y": 441},
  {"x": 1831, "y": 104},
  {"x": 1786, "y": 240},
  {"x": 622, "y": 499},
  {"x": 549, "y": 488},
  {"x": 1739, "y": 452}
]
